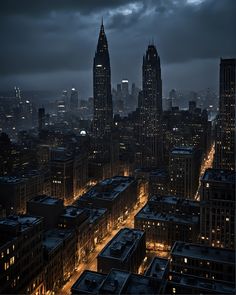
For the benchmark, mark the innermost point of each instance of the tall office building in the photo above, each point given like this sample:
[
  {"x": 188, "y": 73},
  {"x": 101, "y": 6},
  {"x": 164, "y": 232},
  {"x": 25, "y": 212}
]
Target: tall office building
[
  {"x": 74, "y": 99},
  {"x": 150, "y": 106},
  {"x": 41, "y": 118},
  {"x": 103, "y": 113},
  {"x": 225, "y": 135},
  {"x": 184, "y": 170}
]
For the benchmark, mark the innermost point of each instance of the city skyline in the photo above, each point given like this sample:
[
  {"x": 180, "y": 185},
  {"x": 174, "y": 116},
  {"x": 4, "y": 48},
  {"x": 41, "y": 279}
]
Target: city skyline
[{"x": 65, "y": 60}]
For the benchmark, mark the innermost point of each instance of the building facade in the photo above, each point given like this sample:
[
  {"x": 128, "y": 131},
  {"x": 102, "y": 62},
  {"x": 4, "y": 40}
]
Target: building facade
[{"x": 217, "y": 224}]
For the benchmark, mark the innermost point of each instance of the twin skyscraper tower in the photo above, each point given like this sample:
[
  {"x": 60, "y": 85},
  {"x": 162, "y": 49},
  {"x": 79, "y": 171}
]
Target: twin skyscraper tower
[{"x": 149, "y": 111}]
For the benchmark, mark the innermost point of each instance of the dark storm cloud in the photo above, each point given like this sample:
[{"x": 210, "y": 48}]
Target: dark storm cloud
[{"x": 55, "y": 40}]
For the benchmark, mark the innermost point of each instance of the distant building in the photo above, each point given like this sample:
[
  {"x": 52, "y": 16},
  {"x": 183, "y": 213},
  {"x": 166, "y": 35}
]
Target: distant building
[
  {"x": 150, "y": 111},
  {"x": 74, "y": 100},
  {"x": 16, "y": 191},
  {"x": 218, "y": 208},
  {"x": 166, "y": 219},
  {"x": 21, "y": 260},
  {"x": 184, "y": 170},
  {"x": 225, "y": 130},
  {"x": 41, "y": 118},
  {"x": 103, "y": 110},
  {"x": 125, "y": 251},
  {"x": 62, "y": 174},
  {"x": 117, "y": 194},
  {"x": 159, "y": 181}
]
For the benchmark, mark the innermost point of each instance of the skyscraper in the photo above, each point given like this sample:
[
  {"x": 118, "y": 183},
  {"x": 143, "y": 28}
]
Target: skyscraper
[
  {"x": 225, "y": 134},
  {"x": 74, "y": 100},
  {"x": 103, "y": 113},
  {"x": 150, "y": 106}
]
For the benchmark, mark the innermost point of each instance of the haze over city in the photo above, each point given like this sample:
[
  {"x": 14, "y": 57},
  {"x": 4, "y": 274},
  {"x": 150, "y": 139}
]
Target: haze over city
[{"x": 50, "y": 44}]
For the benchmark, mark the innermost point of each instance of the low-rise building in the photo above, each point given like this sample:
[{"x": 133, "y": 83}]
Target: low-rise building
[
  {"x": 167, "y": 219},
  {"x": 217, "y": 224},
  {"x": 90, "y": 226},
  {"x": 48, "y": 207},
  {"x": 117, "y": 194},
  {"x": 21, "y": 255},
  {"x": 59, "y": 257},
  {"x": 125, "y": 251},
  {"x": 203, "y": 261},
  {"x": 116, "y": 282}
]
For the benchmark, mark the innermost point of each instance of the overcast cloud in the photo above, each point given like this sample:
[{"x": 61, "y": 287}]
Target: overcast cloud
[{"x": 51, "y": 44}]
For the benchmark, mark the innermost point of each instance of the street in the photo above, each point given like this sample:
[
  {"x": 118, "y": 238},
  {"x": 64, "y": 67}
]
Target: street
[{"x": 91, "y": 264}]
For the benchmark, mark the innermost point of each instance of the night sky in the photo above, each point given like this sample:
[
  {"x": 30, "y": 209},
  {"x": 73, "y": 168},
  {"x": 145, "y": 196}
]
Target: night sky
[{"x": 51, "y": 44}]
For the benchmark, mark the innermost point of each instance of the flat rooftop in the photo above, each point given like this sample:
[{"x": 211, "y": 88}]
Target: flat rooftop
[
  {"x": 201, "y": 283},
  {"x": 182, "y": 151},
  {"x": 157, "y": 268},
  {"x": 218, "y": 175},
  {"x": 46, "y": 200},
  {"x": 148, "y": 213},
  {"x": 72, "y": 212},
  {"x": 198, "y": 251},
  {"x": 116, "y": 282},
  {"x": 89, "y": 282},
  {"x": 173, "y": 200},
  {"x": 138, "y": 284},
  {"x": 123, "y": 244},
  {"x": 108, "y": 189},
  {"x": 24, "y": 222},
  {"x": 54, "y": 238},
  {"x": 11, "y": 180}
]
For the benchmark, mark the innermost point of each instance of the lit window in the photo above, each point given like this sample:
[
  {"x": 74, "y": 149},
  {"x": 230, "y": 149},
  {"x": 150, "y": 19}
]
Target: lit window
[
  {"x": 174, "y": 290},
  {"x": 12, "y": 260},
  {"x": 7, "y": 251},
  {"x": 185, "y": 260},
  {"x": 2, "y": 254},
  {"x": 207, "y": 185},
  {"x": 227, "y": 219}
]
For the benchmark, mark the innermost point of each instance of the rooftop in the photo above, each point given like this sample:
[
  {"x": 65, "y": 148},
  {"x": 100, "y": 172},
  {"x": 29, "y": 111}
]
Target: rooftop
[
  {"x": 203, "y": 252},
  {"x": 116, "y": 282},
  {"x": 148, "y": 213},
  {"x": 89, "y": 282},
  {"x": 157, "y": 268},
  {"x": 46, "y": 200},
  {"x": 109, "y": 188},
  {"x": 219, "y": 175},
  {"x": 24, "y": 222},
  {"x": 54, "y": 238},
  {"x": 182, "y": 151},
  {"x": 122, "y": 245},
  {"x": 175, "y": 201}
]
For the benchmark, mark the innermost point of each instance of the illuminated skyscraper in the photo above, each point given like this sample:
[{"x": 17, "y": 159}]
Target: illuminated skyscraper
[
  {"x": 225, "y": 136},
  {"x": 103, "y": 112},
  {"x": 150, "y": 105}
]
